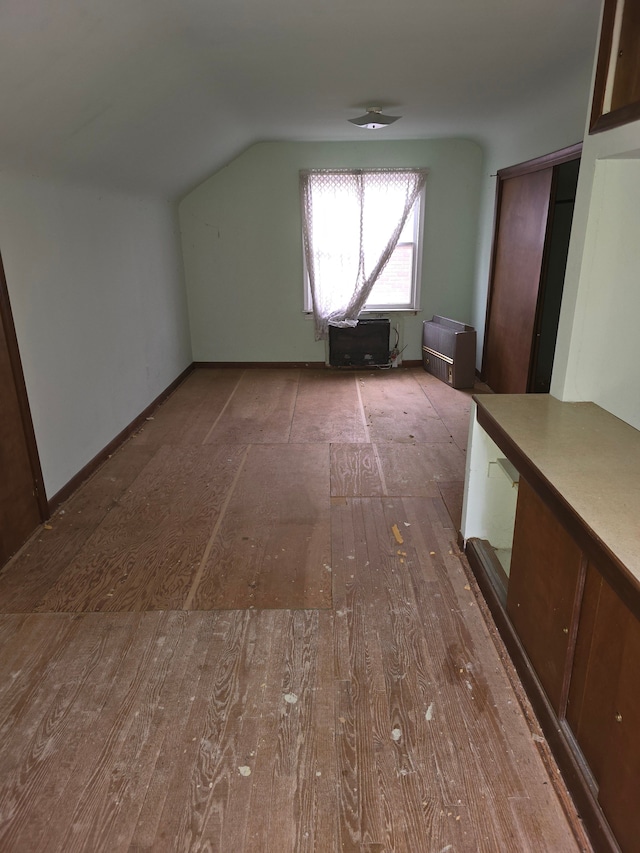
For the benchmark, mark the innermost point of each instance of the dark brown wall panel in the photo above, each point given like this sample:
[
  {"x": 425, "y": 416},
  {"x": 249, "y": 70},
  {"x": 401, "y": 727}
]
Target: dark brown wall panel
[{"x": 20, "y": 512}]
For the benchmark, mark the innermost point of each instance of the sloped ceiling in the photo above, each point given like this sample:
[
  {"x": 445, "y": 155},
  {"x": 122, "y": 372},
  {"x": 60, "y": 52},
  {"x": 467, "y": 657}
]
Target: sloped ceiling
[{"x": 155, "y": 95}]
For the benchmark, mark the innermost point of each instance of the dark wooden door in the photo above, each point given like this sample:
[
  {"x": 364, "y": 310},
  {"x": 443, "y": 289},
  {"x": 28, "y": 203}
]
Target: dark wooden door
[
  {"x": 523, "y": 210},
  {"x": 22, "y": 505}
]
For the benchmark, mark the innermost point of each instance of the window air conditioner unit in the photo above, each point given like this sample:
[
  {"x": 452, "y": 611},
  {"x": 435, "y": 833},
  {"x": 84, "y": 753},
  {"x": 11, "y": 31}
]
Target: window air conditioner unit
[{"x": 364, "y": 345}]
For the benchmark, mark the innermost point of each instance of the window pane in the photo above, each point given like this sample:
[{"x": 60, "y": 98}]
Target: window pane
[
  {"x": 408, "y": 232},
  {"x": 394, "y": 287}
]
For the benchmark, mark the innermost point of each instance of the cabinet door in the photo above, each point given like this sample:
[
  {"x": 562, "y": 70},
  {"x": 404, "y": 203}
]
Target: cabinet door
[
  {"x": 544, "y": 585},
  {"x": 604, "y": 704}
]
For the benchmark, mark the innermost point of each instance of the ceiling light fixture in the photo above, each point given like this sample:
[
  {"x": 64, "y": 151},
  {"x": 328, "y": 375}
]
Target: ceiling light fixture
[{"x": 373, "y": 119}]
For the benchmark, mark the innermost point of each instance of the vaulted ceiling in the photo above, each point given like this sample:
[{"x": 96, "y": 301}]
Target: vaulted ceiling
[{"x": 154, "y": 95}]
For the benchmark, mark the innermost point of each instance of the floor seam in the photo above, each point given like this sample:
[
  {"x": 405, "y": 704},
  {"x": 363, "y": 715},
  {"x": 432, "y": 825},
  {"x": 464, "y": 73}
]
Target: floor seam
[
  {"x": 216, "y": 529},
  {"x": 224, "y": 408}
]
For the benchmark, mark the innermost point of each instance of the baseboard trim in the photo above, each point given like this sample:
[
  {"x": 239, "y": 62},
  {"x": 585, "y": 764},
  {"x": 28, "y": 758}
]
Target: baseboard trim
[
  {"x": 84, "y": 473},
  {"x": 251, "y": 365},
  {"x": 300, "y": 365}
]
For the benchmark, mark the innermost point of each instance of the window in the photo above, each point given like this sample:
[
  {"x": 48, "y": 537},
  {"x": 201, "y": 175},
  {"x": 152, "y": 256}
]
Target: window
[
  {"x": 362, "y": 234},
  {"x": 398, "y": 286}
]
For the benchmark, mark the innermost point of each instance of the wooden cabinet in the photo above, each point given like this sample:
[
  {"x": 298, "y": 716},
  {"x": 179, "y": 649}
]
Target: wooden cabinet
[
  {"x": 616, "y": 93},
  {"x": 584, "y": 644},
  {"x": 603, "y": 710},
  {"x": 543, "y": 590},
  {"x": 571, "y": 615}
]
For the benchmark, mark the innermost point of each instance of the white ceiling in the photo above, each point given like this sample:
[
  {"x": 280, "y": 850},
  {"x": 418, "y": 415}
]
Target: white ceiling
[{"x": 154, "y": 95}]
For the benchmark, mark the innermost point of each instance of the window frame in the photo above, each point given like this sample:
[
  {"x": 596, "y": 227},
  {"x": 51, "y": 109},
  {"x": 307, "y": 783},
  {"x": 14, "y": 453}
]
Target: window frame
[{"x": 416, "y": 274}]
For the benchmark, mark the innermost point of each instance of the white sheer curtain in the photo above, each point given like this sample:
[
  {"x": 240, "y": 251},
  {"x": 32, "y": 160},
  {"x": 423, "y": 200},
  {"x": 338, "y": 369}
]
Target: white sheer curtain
[{"x": 351, "y": 222}]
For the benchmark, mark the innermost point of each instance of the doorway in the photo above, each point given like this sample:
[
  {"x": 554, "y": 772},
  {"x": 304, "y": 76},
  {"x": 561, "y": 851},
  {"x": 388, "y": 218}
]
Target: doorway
[
  {"x": 534, "y": 211},
  {"x": 22, "y": 500}
]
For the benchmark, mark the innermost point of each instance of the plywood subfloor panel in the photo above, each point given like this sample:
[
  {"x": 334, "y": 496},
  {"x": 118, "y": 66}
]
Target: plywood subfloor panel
[
  {"x": 273, "y": 545},
  {"x": 452, "y": 405},
  {"x": 328, "y": 408},
  {"x": 369, "y": 470},
  {"x": 260, "y": 410},
  {"x": 458, "y": 428},
  {"x": 146, "y": 551},
  {"x": 444, "y": 398},
  {"x": 399, "y": 410},
  {"x": 453, "y": 495},
  {"x": 47, "y": 555},
  {"x": 355, "y": 470},
  {"x": 189, "y": 414},
  {"x": 415, "y": 469}
]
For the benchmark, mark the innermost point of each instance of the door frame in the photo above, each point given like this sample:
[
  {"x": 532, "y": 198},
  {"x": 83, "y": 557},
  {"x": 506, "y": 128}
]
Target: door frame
[
  {"x": 6, "y": 318},
  {"x": 546, "y": 161}
]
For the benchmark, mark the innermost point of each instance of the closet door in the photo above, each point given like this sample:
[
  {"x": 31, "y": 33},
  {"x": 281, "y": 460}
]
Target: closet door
[
  {"x": 22, "y": 504},
  {"x": 521, "y": 226}
]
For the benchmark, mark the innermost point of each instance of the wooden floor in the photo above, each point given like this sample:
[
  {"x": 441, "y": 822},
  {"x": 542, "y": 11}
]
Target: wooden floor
[{"x": 252, "y": 630}]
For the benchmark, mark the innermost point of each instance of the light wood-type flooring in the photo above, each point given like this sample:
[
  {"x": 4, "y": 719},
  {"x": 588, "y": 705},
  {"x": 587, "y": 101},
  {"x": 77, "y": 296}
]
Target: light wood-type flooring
[{"x": 252, "y": 630}]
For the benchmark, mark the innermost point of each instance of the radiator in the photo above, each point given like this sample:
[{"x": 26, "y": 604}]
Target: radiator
[
  {"x": 364, "y": 345},
  {"x": 449, "y": 351}
]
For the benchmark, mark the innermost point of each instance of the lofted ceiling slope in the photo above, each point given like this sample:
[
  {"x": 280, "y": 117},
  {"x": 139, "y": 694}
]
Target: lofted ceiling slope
[{"x": 155, "y": 95}]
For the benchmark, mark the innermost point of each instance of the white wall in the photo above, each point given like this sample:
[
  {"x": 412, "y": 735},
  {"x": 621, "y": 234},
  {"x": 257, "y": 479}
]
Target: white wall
[
  {"x": 242, "y": 245},
  {"x": 598, "y": 352},
  {"x": 96, "y": 288}
]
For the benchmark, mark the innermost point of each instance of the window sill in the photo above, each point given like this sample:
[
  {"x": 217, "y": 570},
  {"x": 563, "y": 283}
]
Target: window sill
[{"x": 375, "y": 312}]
